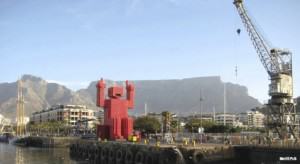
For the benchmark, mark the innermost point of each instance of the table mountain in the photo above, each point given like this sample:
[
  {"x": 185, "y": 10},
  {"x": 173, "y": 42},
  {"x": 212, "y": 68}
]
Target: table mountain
[
  {"x": 183, "y": 96},
  {"x": 180, "y": 96}
]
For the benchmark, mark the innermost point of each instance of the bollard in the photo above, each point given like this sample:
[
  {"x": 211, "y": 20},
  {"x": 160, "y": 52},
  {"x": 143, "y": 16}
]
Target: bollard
[
  {"x": 194, "y": 143},
  {"x": 157, "y": 144},
  {"x": 185, "y": 142}
]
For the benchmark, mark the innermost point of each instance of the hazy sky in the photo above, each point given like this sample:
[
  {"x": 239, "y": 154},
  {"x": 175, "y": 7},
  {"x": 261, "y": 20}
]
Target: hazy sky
[{"x": 74, "y": 42}]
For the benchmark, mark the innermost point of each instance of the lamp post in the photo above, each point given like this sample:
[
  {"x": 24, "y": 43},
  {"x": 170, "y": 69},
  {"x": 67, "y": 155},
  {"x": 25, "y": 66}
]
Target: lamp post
[{"x": 202, "y": 129}]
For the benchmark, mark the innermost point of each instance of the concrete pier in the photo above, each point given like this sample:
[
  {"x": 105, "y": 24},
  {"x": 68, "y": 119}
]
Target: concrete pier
[
  {"x": 34, "y": 141},
  {"x": 134, "y": 153},
  {"x": 266, "y": 155}
]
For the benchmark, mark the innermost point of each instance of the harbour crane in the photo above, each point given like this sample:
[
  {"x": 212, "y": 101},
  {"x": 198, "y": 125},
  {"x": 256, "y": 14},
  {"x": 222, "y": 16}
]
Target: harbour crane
[{"x": 281, "y": 115}]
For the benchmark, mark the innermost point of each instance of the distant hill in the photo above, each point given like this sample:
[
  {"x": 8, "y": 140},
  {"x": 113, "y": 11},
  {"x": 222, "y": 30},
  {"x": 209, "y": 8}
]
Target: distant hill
[
  {"x": 180, "y": 96},
  {"x": 39, "y": 94}
]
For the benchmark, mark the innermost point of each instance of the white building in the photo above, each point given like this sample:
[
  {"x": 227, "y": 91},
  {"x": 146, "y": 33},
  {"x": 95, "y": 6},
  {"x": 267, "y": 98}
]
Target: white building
[
  {"x": 205, "y": 116},
  {"x": 158, "y": 116},
  {"x": 255, "y": 119},
  {"x": 4, "y": 122},
  {"x": 99, "y": 114},
  {"x": 243, "y": 118},
  {"x": 72, "y": 114},
  {"x": 230, "y": 119}
]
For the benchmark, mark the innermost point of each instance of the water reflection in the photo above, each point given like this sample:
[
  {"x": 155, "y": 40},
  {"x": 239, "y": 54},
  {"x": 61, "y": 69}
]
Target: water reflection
[
  {"x": 10, "y": 154},
  {"x": 19, "y": 156}
]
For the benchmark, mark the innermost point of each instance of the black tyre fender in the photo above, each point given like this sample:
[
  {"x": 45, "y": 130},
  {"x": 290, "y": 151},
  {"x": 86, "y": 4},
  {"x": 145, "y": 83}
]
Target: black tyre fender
[
  {"x": 140, "y": 157},
  {"x": 198, "y": 156},
  {"x": 120, "y": 155},
  {"x": 104, "y": 155},
  {"x": 171, "y": 155},
  {"x": 129, "y": 156},
  {"x": 152, "y": 155}
]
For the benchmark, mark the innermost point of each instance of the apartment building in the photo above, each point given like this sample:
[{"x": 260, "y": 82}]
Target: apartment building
[
  {"x": 71, "y": 114},
  {"x": 227, "y": 119},
  {"x": 255, "y": 119}
]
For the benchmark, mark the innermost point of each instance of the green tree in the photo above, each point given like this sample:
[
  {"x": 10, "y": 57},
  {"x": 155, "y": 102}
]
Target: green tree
[
  {"x": 147, "y": 124},
  {"x": 175, "y": 126},
  {"x": 48, "y": 128},
  {"x": 166, "y": 121},
  {"x": 193, "y": 125},
  {"x": 222, "y": 129},
  {"x": 217, "y": 129}
]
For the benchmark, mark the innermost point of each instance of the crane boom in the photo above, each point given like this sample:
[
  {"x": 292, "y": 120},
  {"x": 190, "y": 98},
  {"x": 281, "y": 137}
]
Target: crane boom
[
  {"x": 278, "y": 63},
  {"x": 272, "y": 59}
]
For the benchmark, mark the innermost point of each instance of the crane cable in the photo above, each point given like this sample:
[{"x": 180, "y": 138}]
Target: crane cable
[{"x": 237, "y": 54}]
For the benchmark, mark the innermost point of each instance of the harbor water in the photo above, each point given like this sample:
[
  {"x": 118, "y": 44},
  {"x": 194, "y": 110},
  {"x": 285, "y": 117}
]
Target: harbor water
[{"x": 11, "y": 154}]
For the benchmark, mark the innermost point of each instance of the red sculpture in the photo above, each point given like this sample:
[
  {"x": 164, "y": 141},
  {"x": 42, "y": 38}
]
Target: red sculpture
[{"x": 117, "y": 124}]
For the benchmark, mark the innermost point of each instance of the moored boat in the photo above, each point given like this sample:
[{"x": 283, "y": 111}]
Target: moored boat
[{"x": 5, "y": 137}]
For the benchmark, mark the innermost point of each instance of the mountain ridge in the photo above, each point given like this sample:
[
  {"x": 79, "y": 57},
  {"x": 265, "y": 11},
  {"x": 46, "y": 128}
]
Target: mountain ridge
[{"x": 176, "y": 95}]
